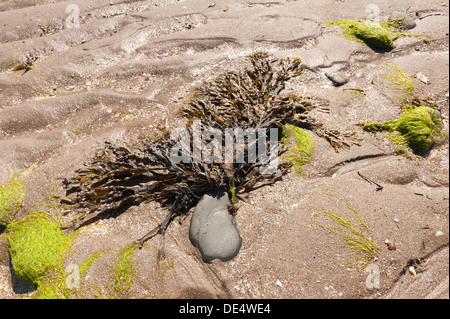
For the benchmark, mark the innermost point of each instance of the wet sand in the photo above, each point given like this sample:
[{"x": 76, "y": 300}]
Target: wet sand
[{"x": 131, "y": 64}]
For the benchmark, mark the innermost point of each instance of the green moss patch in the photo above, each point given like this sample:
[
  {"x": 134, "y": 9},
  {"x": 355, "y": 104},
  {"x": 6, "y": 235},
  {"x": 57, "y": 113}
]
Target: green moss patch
[
  {"x": 300, "y": 144},
  {"x": 37, "y": 245},
  {"x": 376, "y": 35},
  {"x": 418, "y": 129},
  {"x": 11, "y": 198}
]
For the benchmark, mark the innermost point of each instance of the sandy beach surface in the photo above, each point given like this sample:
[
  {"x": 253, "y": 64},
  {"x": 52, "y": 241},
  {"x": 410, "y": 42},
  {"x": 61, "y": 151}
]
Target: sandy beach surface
[{"x": 120, "y": 67}]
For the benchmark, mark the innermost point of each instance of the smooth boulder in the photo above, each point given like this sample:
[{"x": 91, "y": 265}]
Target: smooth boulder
[{"x": 213, "y": 230}]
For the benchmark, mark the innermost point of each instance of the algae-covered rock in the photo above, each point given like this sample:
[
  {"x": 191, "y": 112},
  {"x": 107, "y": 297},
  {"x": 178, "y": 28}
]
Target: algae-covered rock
[
  {"x": 375, "y": 35},
  {"x": 406, "y": 21},
  {"x": 213, "y": 230},
  {"x": 418, "y": 129},
  {"x": 379, "y": 36},
  {"x": 37, "y": 245}
]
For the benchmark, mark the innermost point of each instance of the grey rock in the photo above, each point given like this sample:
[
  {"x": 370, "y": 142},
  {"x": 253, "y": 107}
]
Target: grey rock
[
  {"x": 213, "y": 230},
  {"x": 408, "y": 23},
  {"x": 337, "y": 79},
  {"x": 219, "y": 238},
  {"x": 208, "y": 204}
]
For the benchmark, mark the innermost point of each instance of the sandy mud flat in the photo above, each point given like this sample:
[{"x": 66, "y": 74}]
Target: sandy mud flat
[{"x": 115, "y": 70}]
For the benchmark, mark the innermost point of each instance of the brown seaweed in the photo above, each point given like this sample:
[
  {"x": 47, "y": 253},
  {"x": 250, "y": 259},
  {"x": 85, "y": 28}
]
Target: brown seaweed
[{"x": 119, "y": 177}]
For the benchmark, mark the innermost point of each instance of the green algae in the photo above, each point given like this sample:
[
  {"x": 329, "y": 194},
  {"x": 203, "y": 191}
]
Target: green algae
[
  {"x": 375, "y": 35},
  {"x": 400, "y": 82},
  {"x": 232, "y": 193},
  {"x": 11, "y": 197},
  {"x": 119, "y": 280},
  {"x": 90, "y": 260},
  {"x": 418, "y": 129},
  {"x": 164, "y": 266},
  {"x": 350, "y": 234},
  {"x": 361, "y": 247},
  {"x": 420, "y": 125},
  {"x": 300, "y": 144},
  {"x": 37, "y": 245},
  {"x": 55, "y": 284},
  {"x": 124, "y": 271},
  {"x": 60, "y": 286},
  {"x": 378, "y": 36}
]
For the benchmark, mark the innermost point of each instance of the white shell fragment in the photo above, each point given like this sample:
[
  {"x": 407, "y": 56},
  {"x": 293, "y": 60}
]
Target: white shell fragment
[{"x": 423, "y": 78}]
